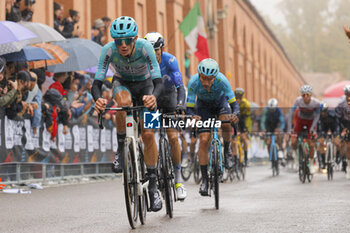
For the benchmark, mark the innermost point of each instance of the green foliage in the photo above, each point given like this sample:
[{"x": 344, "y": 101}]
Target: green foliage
[{"x": 313, "y": 37}]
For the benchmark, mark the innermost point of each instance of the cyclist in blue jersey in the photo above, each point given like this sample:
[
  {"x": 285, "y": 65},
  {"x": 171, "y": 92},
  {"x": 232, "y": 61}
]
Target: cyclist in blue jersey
[
  {"x": 272, "y": 121},
  {"x": 215, "y": 98},
  {"x": 137, "y": 81},
  {"x": 171, "y": 100}
]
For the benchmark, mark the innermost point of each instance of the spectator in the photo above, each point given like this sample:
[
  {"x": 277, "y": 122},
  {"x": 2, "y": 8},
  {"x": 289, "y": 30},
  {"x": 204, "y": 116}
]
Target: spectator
[
  {"x": 53, "y": 105},
  {"x": 100, "y": 26},
  {"x": 95, "y": 35},
  {"x": 13, "y": 12},
  {"x": 34, "y": 102},
  {"x": 19, "y": 106},
  {"x": 71, "y": 27},
  {"x": 47, "y": 82},
  {"x": 7, "y": 97},
  {"x": 58, "y": 16},
  {"x": 107, "y": 21},
  {"x": 27, "y": 13}
]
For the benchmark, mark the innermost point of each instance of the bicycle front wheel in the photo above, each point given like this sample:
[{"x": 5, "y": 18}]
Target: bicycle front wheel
[
  {"x": 143, "y": 199},
  {"x": 130, "y": 184},
  {"x": 166, "y": 177},
  {"x": 216, "y": 165}
]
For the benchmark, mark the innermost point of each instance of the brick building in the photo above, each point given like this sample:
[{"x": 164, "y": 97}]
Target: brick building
[{"x": 247, "y": 51}]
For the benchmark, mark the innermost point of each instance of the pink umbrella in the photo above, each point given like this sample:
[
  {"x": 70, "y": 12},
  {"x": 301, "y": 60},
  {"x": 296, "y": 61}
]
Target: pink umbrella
[{"x": 336, "y": 90}]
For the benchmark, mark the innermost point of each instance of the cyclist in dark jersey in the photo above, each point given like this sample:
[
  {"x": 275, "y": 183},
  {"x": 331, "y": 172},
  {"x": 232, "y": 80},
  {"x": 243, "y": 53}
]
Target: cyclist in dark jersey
[
  {"x": 328, "y": 122},
  {"x": 137, "y": 81},
  {"x": 171, "y": 100},
  {"x": 343, "y": 112}
]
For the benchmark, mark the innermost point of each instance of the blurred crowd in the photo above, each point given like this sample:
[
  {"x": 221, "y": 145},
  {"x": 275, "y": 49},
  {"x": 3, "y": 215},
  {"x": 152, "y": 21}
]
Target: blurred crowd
[
  {"x": 45, "y": 98},
  {"x": 68, "y": 26}
]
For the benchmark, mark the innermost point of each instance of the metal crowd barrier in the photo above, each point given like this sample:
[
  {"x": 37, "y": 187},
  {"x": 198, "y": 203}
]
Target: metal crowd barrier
[{"x": 23, "y": 172}]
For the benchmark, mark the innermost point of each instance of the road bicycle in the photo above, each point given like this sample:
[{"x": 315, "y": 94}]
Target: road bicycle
[
  {"x": 134, "y": 172},
  {"x": 215, "y": 165},
  {"x": 166, "y": 174},
  {"x": 303, "y": 151}
]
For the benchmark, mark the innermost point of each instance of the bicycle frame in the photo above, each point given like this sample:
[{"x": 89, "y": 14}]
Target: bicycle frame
[
  {"x": 240, "y": 149},
  {"x": 273, "y": 147},
  {"x": 215, "y": 139},
  {"x": 132, "y": 136}
]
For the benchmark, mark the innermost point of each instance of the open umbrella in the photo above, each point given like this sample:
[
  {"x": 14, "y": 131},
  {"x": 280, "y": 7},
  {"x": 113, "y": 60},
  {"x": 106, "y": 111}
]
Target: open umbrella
[
  {"x": 44, "y": 32},
  {"x": 29, "y": 53},
  {"x": 332, "y": 95},
  {"x": 83, "y": 54},
  {"x": 58, "y": 54},
  {"x": 13, "y": 37},
  {"x": 93, "y": 70}
]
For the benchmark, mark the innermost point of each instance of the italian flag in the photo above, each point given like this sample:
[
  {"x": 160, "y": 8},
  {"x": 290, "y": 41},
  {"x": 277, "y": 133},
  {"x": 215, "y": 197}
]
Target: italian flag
[{"x": 193, "y": 29}]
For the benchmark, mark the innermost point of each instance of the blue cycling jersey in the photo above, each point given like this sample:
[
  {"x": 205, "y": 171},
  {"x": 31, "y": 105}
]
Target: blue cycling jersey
[
  {"x": 270, "y": 120},
  {"x": 169, "y": 69},
  {"x": 220, "y": 86},
  {"x": 141, "y": 66}
]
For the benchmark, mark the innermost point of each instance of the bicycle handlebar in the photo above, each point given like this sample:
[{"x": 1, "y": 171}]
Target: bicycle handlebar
[{"x": 124, "y": 108}]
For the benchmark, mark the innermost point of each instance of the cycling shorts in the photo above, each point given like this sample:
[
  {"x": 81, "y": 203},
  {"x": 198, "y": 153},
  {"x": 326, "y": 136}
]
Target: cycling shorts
[
  {"x": 136, "y": 89},
  {"x": 212, "y": 109}
]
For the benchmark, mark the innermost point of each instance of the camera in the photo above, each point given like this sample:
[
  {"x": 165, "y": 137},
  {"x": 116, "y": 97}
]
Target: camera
[{"x": 29, "y": 2}]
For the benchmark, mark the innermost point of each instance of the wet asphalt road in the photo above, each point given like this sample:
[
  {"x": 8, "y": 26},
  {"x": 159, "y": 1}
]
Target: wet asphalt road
[{"x": 262, "y": 203}]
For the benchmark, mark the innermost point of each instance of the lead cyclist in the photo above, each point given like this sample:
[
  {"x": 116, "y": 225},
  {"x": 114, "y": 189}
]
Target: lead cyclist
[{"x": 137, "y": 81}]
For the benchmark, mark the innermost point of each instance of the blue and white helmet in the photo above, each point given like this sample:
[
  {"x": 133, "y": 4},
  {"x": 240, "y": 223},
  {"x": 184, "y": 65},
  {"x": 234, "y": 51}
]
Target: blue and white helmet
[
  {"x": 347, "y": 90},
  {"x": 324, "y": 107},
  {"x": 306, "y": 89},
  {"x": 123, "y": 26},
  {"x": 208, "y": 67}
]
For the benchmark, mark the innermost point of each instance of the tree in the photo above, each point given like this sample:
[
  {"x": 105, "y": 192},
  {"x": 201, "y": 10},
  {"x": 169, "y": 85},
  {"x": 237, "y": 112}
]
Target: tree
[{"x": 313, "y": 36}]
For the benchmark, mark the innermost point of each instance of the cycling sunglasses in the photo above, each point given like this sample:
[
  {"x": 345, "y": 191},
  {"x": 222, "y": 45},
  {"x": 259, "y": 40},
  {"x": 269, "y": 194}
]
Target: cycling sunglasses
[{"x": 127, "y": 40}]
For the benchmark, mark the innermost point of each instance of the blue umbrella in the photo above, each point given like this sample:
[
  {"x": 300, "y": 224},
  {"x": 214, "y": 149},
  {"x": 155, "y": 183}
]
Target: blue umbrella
[
  {"x": 83, "y": 54},
  {"x": 13, "y": 37},
  {"x": 29, "y": 53}
]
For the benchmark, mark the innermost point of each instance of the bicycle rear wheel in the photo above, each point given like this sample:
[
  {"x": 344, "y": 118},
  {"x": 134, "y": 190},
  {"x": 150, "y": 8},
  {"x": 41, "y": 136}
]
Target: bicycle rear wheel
[
  {"x": 215, "y": 167},
  {"x": 187, "y": 170},
  {"x": 164, "y": 152},
  {"x": 130, "y": 184}
]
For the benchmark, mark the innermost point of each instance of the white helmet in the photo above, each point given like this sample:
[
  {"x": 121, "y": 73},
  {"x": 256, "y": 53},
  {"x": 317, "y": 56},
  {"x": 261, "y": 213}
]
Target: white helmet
[
  {"x": 324, "y": 107},
  {"x": 306, "y": 89},
  {"x": 347, "y": 90},
  {"x": 156, "y": 39},
  {"x": 272, "y": 103}
]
